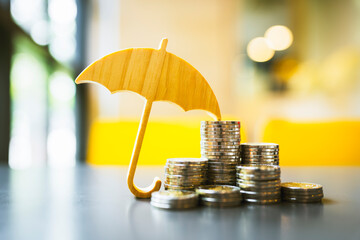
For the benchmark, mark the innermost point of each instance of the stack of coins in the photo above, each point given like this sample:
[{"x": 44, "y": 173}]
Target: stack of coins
[
  {"x": 220, "y": 144},
  {"x": 219, "y": 195},
  {"x": 174, "y": 199},
  {"x": 301, "y": 192},
  {"x": 260, "y": 153},
  {"x": 185, "y": 173},
  {"x": 259, "y": 183}
]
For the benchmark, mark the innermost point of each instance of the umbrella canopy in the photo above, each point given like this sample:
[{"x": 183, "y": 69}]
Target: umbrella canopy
[{"x": 156, "y": 75}]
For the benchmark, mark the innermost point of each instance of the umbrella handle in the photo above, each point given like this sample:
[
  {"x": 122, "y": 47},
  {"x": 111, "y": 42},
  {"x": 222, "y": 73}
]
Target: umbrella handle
[{"x": 155, "y": 186}]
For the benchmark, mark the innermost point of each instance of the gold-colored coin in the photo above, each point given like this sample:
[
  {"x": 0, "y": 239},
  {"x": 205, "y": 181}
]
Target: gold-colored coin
[{"x": 301, "y": 185}]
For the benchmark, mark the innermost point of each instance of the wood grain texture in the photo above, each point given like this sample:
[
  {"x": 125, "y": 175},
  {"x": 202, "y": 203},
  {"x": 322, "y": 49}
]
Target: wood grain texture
[
  {"x": 158, "y": 76},
  {"x": 154, "y": 74}
]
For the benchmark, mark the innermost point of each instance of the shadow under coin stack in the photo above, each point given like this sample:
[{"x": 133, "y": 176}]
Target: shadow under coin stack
[
  {"x": 173, "y": 199},
  {"x": 220, "y": 144},
  {"x": 219, "y": 196},
  {"x": 259, "y": 183},
  {"x": 301, "y": 192},
  {"x": 260, "y": 153},
  {"x": 185, "y": 173}
]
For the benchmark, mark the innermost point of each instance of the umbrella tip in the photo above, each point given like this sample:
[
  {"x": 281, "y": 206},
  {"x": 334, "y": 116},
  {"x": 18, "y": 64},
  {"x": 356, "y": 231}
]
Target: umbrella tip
[{"x": 163, "y": 44}]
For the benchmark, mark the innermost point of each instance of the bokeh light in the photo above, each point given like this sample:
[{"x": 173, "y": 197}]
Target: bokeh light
[
  {"x": 279, "y": 37},
  {"x": 259, "y": 51}
]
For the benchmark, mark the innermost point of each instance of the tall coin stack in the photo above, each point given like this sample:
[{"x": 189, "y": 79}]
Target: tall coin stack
[
  {"x": 260, "y": 153},
  {"x": 259, "y": 183},
  {"x": 185, "y": 173},
  {"x": 220, "y": 144}
]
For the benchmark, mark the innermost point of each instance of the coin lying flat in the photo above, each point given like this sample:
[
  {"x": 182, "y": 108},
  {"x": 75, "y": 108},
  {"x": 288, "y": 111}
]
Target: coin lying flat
[
  {"x": 259, "y": 145},
  {"x": 219, "y": 196},
  {"x": 186, "y": 161},
  {"x": 174, "y": 199},
  {"x": 301, "y": 186},
  {"x": 262, "y": 201}
]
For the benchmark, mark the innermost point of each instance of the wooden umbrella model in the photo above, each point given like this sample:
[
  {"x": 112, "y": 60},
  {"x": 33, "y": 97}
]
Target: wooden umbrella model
[{"x": 157, "y": 75}]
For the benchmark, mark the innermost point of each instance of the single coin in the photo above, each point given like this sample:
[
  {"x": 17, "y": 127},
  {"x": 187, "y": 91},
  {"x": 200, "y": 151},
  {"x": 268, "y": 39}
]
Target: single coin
[
  {"x": 258, "y": 168},
  {"x": 177, "y": 187},
  {"x": 260, "y": 201},
  {"x": 220, "y": 122},
  {"x": 174, "y": 194},
  {"x": 219, "y": 143},
  {"x": 301, "y": 200},
  {"x": 186, "y": 160},
  {"x": 259, "y": 184},
  {"x": 301, "y": 186},
  {"x": 212, "y": 189},
  {"x": 259, "y": 150},
  {"x": 259, "y": 145}
]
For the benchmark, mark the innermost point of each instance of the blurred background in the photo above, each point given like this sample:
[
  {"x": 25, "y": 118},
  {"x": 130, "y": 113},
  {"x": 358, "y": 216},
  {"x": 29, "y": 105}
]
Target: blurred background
[{"x": 288, "y": 70}]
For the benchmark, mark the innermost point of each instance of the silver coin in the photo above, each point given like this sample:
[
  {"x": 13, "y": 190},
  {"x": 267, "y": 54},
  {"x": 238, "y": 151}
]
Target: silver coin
[
  {"x": 260, "y": 201},
  {"x": 312, "y": 196},
  {"x": 211, "y": 189},
  {"x": 301, "y": 186},
  {"x": 258, "y": 177},
  {"x": 301, "y": 201},
  {"x": 300, "y": 194},
  {"x": 260, "y": 183},
  {"x": 179, "y": 167},
  {"x": 221, "y": 122},
  {"x": 258, "y": 168},
  {"x": 186, "y": 161},
  {"x": 187, "y": 172},
  {"x": 266, "y": 158},
  {"x": 257, "y": 189},
  {"x": 259, "y": 155},
  {"x": 222, "y": 199},
  {"x": 220, "y": 132},
  {"x": 177, "y": 187},
  {"x": 220, "y": 204},
  {"x": 260, "y": 145},
  {"x": 259, "y": 150},
  {"x": 219, "y": 143},
  {"x": 220, "y": 154}
]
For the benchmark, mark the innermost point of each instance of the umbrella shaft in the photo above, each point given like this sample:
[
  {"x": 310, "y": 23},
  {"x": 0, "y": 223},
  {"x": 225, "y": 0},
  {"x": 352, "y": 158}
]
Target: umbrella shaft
[{"x": 139, "y": 138}]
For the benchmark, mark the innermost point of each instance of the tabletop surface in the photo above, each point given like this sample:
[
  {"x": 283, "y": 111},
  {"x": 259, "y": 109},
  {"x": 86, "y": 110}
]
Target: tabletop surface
[{"x": 94, "y": 203}]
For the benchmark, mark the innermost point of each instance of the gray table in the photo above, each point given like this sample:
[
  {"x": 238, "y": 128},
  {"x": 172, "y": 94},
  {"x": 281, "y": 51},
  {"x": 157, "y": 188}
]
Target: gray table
[{"x": 94, "y": 203}]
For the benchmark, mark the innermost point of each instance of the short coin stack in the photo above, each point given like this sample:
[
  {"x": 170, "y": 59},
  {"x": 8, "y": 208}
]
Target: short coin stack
[
  {"x": 220, "y": 144},
  {"x": 174, "y": 199},
  {"x": 260, "y": 153},
  {"x": 259, "y": 183},
  {"x": 185, "y": 173},
  {"x": 301, "y": 192},
  {"x": 219, "y": 196}
]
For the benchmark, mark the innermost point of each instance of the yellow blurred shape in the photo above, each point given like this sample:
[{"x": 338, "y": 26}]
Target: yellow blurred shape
[
  {"x": 285, "y": 68},
  {"x": 279, "y": 37},
  {"x": 258, "y": 50},
  {"x": 112, "y": 142},
  {"x": 315, "y": 144}
]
